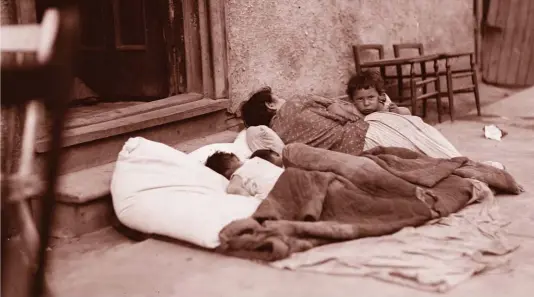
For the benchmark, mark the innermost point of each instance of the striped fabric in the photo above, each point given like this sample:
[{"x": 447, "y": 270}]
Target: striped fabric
[{"x": 390, "y": 129}]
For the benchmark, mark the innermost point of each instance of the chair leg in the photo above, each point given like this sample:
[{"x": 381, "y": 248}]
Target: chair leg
[
  {"x": 474, "y": 78},
  {"x": 438, "y": 98},
  {"x": 413, "y": 95},
  {"x": 400, "y": 87},
  {"x": 438, "y": 89},
  {"x": 450, "y": 94},
  {"x": 424, "y": 107}
]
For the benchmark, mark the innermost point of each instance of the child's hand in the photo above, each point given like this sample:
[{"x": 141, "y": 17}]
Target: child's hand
[{"x": 393, "y": 108}]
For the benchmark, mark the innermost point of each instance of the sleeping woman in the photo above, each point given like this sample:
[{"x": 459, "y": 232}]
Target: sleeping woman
[{"x": 324, "y": 123}]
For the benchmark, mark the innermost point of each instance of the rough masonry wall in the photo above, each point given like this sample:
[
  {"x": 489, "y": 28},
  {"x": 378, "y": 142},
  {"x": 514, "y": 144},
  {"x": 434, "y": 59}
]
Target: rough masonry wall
[{"x": 300, "y": 47}]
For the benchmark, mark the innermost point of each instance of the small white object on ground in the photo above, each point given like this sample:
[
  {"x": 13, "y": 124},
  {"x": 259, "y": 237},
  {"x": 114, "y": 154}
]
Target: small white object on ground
[{"x": 493, "y": 132}]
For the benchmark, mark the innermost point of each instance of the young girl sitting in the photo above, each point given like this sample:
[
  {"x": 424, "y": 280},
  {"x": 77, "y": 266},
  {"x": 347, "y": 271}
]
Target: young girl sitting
[
  {"x": 254, "y": 177},
  {"x": 366, "y": 91},
  {"x": 366, "y": 94}
]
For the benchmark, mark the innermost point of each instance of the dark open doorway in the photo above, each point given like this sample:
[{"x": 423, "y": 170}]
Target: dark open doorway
[{"x": 123, "y": 54}]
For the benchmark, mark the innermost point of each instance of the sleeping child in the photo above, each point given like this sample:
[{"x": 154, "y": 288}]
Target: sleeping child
[
  {"x": 366, "y": 93},
  {"x": 254, "y": 177}
]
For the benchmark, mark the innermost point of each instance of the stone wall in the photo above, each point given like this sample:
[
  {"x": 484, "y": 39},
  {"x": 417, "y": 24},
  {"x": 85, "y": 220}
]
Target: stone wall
[{"x": 300, "y": 47}]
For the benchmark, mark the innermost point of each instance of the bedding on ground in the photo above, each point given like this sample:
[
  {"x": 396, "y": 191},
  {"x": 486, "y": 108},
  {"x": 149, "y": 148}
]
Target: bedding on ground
[
  {"x": 157, "y": 189},
  {"x": 325, "y": 197}
]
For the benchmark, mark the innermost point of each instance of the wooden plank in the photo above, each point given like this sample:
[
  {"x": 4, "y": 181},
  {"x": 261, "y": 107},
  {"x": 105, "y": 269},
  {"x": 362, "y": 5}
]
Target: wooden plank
[
  {"x": 132, "y": 110},
  {"x": 493, "y": 11},
  {"x": 478, "y": 32},
  {"x": 509, "y": 33},
  {"x": 496, "y": 46},
  {"x": 219, "y": 48},
  {"x": 518, "y": 31},
  {"x": 102, "y": 151},
  {"x": 172, "y": 40},
  {"x": 526, "y": 50},
  {"x": 530, "y": 66},
  {"x": 489, "y": 39},
  {"x": 193, "y": 57},
  {"x": 207, "y": 71},
  {"x": 136, "y": 122}
]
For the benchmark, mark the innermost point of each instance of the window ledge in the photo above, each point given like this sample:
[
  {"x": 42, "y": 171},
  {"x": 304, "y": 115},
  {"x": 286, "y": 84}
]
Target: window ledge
[{"x": 135, "y": 118}]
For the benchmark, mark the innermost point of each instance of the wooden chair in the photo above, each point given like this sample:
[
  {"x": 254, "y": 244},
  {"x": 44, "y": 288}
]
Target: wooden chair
[
  {"x": 416, "y": 84},
  {"x": 358, "y": 49},
  {"x": 453, "y": 75},
  {"x": 449, "y": 73},
  {"x": 397, "y": 48},
  {"x": 46, "y": 83}
]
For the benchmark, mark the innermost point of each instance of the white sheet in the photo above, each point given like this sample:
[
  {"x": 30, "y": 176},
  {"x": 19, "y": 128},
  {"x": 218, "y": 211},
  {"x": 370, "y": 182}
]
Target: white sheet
[{"x": 157, "y": 189}]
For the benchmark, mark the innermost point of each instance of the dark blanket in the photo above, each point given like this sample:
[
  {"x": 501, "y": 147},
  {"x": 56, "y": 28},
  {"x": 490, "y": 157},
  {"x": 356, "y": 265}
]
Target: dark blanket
[{"x": 325, "y": 196}]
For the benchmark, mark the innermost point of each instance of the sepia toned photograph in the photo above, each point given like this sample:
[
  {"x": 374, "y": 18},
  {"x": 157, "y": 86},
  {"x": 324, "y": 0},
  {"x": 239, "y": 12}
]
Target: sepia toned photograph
[{"x": 267, "y": 148}]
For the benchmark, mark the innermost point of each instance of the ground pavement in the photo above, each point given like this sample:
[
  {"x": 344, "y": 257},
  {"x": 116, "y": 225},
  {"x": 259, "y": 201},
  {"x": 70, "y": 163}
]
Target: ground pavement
[{"x": 157, "y": 268}]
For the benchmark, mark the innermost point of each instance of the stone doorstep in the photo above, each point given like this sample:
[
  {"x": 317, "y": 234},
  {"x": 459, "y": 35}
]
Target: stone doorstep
[
  {"x": 135, "y": 122},
  {"x": 187, "y": 121},
  {"x": 84, "y": 203}
]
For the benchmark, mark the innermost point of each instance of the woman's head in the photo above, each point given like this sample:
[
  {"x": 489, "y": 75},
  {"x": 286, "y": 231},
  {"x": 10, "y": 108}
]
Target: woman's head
[
  {"x": 366, "y": 90},
  {"x": 260, "y": 108}
]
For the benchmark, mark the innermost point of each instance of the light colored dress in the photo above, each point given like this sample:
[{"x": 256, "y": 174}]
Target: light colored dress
[{"x": 258, "y": 176}]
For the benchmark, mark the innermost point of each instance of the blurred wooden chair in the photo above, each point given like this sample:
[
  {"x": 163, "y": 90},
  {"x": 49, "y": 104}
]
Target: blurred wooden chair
[
  {"x": 45, "y": 83},
  {"x": 452, "y": 75}
]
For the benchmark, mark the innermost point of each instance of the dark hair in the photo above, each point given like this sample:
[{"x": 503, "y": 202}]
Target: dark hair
[
  {"x": 220, "y": 162},
  {"x": 255, "y": 112},
  {"x": 364, "y": 80},
  {"x": 265, "y": 154}
]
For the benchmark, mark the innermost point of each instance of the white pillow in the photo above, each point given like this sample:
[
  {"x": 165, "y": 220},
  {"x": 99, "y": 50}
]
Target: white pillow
[
  {"x": 239, "y": 147},
  {"x": 157, "y": 189}
]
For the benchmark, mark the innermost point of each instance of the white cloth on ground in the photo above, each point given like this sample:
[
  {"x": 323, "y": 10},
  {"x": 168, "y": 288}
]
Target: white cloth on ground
[
  {"x": 434, "y": 257},
  {"x": 258, "y": 176},
  {"x": 391, "y": 129}
]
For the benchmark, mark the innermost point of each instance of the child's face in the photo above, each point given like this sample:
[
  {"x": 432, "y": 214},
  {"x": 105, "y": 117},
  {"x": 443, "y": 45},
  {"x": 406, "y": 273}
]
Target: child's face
[
  {"x": 366, "y": 100},
  {"x": 233, "y": 165}
]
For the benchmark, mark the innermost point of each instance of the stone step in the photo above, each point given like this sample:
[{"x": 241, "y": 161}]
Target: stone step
[
  {"x": 99, "y": 143},
  {"x": 84, "y": 201}
]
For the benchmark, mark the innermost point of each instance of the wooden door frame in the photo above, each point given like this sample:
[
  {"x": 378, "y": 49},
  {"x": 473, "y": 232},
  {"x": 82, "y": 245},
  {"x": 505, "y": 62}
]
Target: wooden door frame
[{"x": 198, "y": 28}]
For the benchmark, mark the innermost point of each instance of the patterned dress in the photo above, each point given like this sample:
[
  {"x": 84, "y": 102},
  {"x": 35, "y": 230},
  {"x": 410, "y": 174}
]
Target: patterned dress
[{"x": 308, "y": 121}]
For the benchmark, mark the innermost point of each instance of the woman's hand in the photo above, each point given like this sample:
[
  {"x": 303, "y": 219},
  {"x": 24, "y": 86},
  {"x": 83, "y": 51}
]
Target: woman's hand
[{"x": 345, "y": 110}]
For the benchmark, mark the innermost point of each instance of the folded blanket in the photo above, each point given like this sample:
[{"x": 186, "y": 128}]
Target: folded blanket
[{"x": 325, "y": 196}]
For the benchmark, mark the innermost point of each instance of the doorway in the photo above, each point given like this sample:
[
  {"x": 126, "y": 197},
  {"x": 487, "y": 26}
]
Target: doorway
[{"x": 123, "y": 51}]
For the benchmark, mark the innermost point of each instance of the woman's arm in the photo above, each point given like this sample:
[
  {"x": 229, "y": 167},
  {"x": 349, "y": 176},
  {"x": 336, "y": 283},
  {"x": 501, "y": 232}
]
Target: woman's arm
[{"x": 346, "y": 110}]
